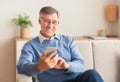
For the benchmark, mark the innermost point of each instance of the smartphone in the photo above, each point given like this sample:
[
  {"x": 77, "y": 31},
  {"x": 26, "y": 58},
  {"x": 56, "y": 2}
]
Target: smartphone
[{"x": 50, "y": 50}]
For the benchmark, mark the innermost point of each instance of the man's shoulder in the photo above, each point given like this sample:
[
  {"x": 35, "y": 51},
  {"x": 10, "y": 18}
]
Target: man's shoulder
[
  {"x": 65, "y": 37},
  {"x": 32, "y": 41}
]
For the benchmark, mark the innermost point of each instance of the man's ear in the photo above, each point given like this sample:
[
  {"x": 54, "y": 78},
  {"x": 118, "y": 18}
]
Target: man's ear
[{"x": 39, "y": 21}]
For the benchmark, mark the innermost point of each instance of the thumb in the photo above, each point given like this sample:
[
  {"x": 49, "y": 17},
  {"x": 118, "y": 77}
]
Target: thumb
[{"x": 44, "y": 54}]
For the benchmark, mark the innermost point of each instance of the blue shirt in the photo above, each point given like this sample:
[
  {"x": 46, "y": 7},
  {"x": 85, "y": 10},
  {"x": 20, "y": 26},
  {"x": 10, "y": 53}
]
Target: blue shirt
[{"x": 66, "y": 48}]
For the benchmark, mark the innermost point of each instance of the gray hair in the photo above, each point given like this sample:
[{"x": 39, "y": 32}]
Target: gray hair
[{"x": 48, "y": 10}]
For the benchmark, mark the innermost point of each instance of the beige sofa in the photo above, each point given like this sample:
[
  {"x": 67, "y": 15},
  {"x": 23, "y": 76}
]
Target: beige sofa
[{"x": 102, "y": 55}]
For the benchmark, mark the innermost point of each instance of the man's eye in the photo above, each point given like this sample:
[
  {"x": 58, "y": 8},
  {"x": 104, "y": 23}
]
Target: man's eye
[{"x": 54, "y": 22}]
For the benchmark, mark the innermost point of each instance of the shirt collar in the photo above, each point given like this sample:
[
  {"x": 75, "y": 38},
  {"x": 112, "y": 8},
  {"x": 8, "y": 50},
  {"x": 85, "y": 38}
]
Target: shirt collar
[{"x": 42, "y": 38}]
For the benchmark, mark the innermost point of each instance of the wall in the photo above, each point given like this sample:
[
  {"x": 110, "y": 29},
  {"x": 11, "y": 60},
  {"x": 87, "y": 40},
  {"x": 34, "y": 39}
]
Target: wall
[
  {"x": 77, "y": 18},
  {"x": 118, "y": 1}
]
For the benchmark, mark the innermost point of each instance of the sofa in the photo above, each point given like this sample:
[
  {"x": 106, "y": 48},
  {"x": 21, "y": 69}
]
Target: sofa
[{"x": 102, "y": 55}]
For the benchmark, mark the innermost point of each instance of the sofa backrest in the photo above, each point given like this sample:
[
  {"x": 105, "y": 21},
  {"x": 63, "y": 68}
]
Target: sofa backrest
[
  {"x": 85, "y": 49},
  {"x": 107, "y": 59}
]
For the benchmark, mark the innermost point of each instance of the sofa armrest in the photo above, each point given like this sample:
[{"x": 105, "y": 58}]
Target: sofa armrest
[{"x": 23, "y": 78}]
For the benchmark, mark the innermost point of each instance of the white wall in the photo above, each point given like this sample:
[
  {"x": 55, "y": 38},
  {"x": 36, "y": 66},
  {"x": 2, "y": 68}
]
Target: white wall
[{"x": 77, "y": 18}]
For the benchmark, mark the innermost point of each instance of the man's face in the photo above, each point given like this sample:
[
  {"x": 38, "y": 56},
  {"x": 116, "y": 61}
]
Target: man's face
[{"x": 48, "y": 24}]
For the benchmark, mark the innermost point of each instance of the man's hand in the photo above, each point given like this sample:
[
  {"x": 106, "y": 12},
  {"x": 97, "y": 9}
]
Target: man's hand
[
  {"x": 46, "y": 63},
  {"x": 62, "y": 64}
]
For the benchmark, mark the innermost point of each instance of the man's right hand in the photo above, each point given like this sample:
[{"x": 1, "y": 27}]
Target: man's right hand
[{"x": 46, "y": 63}]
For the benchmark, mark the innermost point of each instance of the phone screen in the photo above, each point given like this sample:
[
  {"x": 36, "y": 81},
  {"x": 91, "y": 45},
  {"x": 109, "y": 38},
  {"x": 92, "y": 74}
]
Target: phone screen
[{"x": 50, "y": 50}]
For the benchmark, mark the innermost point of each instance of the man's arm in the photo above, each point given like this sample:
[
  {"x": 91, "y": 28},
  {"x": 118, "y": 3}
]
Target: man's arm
[
  {"x": 77, "y": 62},
  {"x": 25, "y": 64}
]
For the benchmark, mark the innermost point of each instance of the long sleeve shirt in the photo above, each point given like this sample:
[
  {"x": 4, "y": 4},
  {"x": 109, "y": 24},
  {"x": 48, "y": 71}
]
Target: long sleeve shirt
[{"x": 66, "y": 49}]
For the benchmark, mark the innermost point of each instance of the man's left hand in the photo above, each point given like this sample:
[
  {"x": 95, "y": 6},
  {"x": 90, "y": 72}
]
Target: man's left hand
[{"x": 62, "y": 64}]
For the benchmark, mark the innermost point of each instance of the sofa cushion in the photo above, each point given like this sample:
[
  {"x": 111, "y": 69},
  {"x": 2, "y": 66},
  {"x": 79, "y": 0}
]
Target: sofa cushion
[
  {"x": 106, "y": 58},
  {"x": 85, "y": 49},
  {"x": 23, "y": 78}
]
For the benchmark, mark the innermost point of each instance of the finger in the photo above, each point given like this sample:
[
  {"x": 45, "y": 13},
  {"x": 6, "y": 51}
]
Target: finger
[
  {"x": 55, "y": 57},
  {"x": 51, "y": 55},
  {"x": 43, "y": 55},
  {"x": 59, "y": 62}
]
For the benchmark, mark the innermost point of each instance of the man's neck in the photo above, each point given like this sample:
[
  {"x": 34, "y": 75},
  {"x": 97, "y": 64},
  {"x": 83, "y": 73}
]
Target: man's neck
[
  {"x": 46, "y": 36},
  {"x": 42, "y": 37}
]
